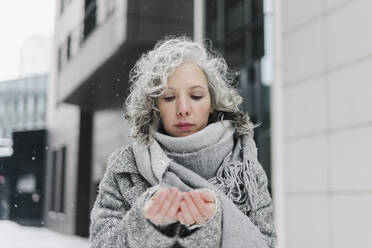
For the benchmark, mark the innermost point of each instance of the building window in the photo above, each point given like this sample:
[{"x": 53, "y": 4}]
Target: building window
[
  {"x": 61, "y": 6},
  {"x": 62, "y": 180},
  {"x": 57, "y": 193},
  {"x": 41, "y": 109},
  {"x": 59, "y": 57},
  {"x": 54, "y": 176},
  {"x": 68, "y": 49},
  {"x": 90, "y": 17}
]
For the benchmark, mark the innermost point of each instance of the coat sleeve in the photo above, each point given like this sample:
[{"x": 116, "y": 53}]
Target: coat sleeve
[{"x": 115, "y": 224}]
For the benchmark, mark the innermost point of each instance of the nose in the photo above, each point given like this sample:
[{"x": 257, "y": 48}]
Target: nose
[{"x": 183, "y": 108}]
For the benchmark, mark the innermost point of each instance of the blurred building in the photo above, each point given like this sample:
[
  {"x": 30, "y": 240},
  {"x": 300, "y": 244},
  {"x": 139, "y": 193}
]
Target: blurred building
[
  {"x": 22, "y": 114},
  {"x": 23, "y": 104},
  {"x": 303, "y": 74}
]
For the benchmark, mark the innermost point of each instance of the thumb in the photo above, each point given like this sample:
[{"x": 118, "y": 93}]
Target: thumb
[{"x": 206, "y": 195}]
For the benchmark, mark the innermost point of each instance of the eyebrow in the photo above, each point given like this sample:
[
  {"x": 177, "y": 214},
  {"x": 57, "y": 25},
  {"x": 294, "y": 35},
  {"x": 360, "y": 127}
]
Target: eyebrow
[{"x": 192, "y": 87}]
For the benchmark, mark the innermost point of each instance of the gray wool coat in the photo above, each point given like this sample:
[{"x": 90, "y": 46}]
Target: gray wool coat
[{"x": 117, "y": 220}]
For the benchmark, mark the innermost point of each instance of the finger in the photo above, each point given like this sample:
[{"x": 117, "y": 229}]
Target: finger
[
  {"x": 171, "y": 196},
  {"x": 153, "y": 206},
  {"x": 211, "y": 208},
  {"x": 194, "y": 211},
  {"x": 156, "y": 194},
  {"x": 172, "y": 211},
  {"x": 186, "y": 214},
  {"x": 180, "y": 218},
  {"x": 200, "y": 204},
  {"x": 206, "y": 195},
  {"x": 158, "y": 204}
]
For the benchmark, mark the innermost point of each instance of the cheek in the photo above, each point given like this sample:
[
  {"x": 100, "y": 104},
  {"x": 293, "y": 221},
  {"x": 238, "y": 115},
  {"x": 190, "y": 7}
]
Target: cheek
[
  {"x": 166, "y": 113},
  {"x": 204, "y": 111}
]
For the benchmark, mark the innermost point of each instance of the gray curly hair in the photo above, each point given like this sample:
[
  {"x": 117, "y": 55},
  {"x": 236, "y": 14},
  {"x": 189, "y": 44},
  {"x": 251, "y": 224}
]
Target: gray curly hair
[{"x": 149, "y": 77}]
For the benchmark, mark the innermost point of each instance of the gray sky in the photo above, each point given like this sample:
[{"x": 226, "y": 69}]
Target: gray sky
[{"x": 19, "y": 21}]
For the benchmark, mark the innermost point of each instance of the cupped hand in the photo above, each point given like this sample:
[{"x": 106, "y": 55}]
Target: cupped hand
[
  {"x": 196, "y": 207},
  {"x": 162, "y": 207}
]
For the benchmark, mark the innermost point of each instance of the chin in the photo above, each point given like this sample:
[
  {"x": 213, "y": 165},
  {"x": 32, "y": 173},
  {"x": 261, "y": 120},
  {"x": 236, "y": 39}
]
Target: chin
[{"x": 178, "y": 133}]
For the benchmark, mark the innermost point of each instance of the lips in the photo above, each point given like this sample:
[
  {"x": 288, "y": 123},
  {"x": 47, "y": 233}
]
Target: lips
[{"x": 184, "y": 126}]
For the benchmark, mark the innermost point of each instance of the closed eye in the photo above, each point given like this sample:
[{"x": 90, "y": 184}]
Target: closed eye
[
  {"x": 196, "y": 97},
  {"x": 169, "y": 98}
]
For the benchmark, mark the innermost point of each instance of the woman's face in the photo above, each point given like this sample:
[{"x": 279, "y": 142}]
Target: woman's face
[{"x": 186, "y": 104}]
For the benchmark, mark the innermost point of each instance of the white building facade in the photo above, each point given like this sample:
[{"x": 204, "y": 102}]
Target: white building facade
[{"x": 326, "y": 92}]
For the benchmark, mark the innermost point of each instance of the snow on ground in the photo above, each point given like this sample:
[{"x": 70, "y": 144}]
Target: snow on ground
[{"x": 13, "y": 235}]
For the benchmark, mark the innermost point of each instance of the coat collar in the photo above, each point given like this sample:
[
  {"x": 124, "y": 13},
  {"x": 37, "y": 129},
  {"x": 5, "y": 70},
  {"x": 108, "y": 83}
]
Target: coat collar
[{"x": 122, "y": 160}]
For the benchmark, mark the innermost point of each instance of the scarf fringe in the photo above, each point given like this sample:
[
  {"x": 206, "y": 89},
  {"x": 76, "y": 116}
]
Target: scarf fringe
[{"x": 240, "y": 183}]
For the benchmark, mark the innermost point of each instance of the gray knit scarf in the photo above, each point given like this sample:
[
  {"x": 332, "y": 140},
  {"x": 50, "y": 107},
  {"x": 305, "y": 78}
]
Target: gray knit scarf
[{"x": 195, "y": 161}]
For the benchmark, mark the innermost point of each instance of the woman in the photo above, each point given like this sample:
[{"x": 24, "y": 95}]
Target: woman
[{"x": 191, "y": 178}]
